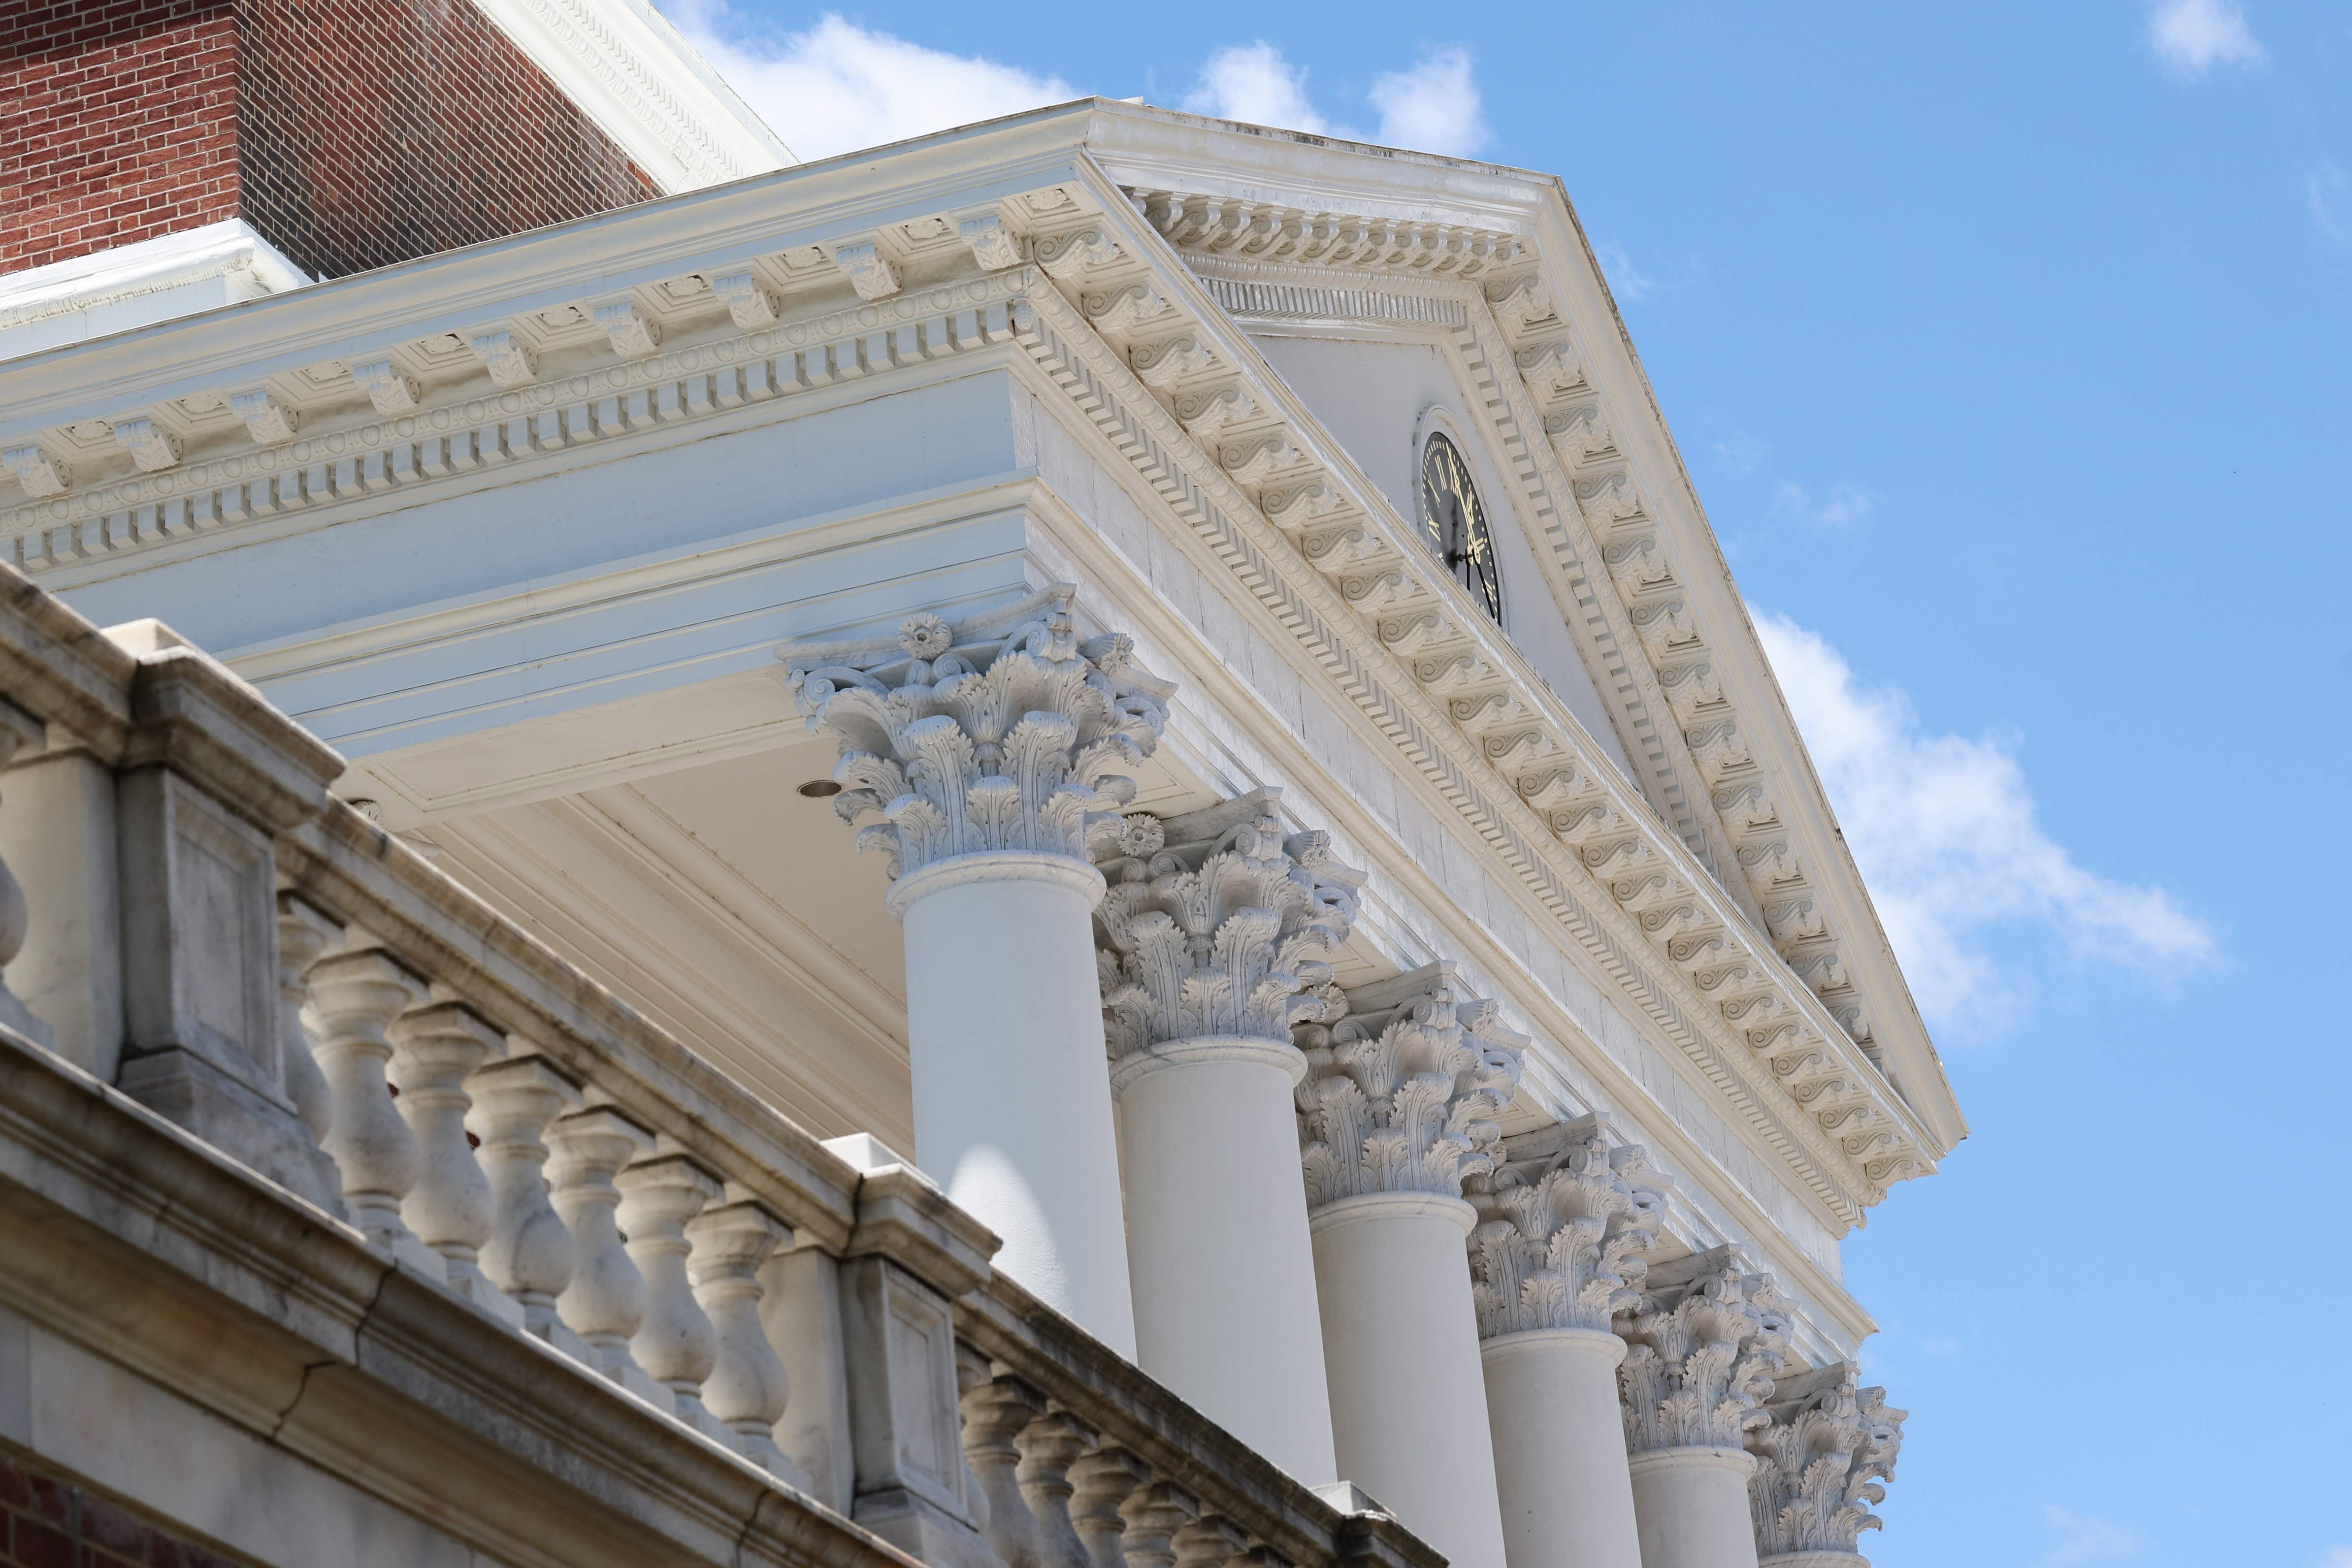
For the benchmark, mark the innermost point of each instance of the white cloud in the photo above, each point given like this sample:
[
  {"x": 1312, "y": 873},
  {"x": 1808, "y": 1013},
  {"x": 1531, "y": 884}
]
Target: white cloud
[
  {"x": 1433, "y": 107},
  {"x": 2341, "y": 1557},
  {"x": 2081, "y": 1539},
  {"x": 2327, "y": 191},
  {"x": 2192, "y": 36},
  {"x": 837, "y": 86},
  {"x": 1253, "y": 82},
  {"x": 1845, "y": 506},
  {"x": 1626, "y": 281},
  {"x": 1741, "y": 451},
  {"x": 1943, "y": 829}
]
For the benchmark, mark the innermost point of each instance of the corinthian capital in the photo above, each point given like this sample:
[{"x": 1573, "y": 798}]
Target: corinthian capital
[
  {"x": 1703, "y": 1343},
  {"x": 1820, "y": 1460},
  {"x": 1213, "y": 925},
  {"x": 1003, "y": 732},
  {"x": 1563, "y": 1223},
  {"x": 1402, "y": 1090}
]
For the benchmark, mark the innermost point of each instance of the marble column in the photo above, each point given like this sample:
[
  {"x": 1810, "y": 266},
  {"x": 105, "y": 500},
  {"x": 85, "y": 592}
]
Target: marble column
[
  {"x": 1563, "y": 1222},
  {"x": 992, "y": 751},
  {"x": 1211, "y": 934},
  {"x": 1702, "y": 1343},
  {"x": 1819, "y": 1462},
  {"x": 1397, "y": 1107}
]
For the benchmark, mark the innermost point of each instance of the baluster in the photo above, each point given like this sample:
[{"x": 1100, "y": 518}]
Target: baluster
[
  {"x": 303, "y": 934},
  {"x": 996, "y": 1410},
  {"x": 16, "y": 725},
  {"x": 530, "y": 1255},
  {"x": 604, "y": 1303},
  {"x": 1210, "y": 1542},
  {"x": 1154, "y": 1514},
  {"x": 971, "y": 1372},
  {"x": 748, "y": 1388},
  {"x": 1101, "y": 1483},
  {"x": 355, "y": 997},
  {"x": 435, "y": 1049},
  {"x": 1049, "y": 1445},
  {"x": 676, "y": 1344}
]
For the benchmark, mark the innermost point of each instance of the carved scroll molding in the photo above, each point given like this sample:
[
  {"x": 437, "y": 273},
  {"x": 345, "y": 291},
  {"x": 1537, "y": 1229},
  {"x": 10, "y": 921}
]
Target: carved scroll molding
[
  {"x": 1404, "y": 1080},
  {"x": 1215, "y": 923},
  {"x": 1561, "y": 1233},
  {"x": 1703, "y": 1343},
  {"x": 454, "y": 404},
  {"x": 1005, "y": 732}
]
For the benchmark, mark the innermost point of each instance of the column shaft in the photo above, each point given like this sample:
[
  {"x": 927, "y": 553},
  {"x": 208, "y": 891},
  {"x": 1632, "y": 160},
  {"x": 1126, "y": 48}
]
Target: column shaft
[
  {"x": 1559, "y": 1450},
  {"x": 1400, "y": 1342},
  {"x": 1012, "y": 1093},
  {"x": 1216, "y": 1222},
  {"x": 1692, "y": 1504}
]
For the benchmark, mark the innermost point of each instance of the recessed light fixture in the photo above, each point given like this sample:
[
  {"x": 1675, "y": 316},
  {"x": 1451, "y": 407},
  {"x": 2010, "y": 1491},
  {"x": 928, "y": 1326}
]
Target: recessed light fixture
[{"x": 820, "y": 788}]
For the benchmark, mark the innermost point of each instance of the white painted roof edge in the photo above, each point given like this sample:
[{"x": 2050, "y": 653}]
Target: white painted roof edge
[
  {"x": 146, "y": 267},
  {"x": 645, "y": 87}
]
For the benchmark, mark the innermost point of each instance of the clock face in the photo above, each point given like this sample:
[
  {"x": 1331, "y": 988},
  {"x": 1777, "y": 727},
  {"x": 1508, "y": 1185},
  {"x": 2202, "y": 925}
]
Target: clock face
[{"x": 1454, "y": 524}]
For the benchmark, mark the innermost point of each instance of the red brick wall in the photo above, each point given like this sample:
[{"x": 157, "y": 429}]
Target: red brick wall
[
  {"x": 353, "y": 133},
  {"x": 376, "y": 130},
  {"x": 48, "y": 1522},
  {"x": 118, "y": 122}
]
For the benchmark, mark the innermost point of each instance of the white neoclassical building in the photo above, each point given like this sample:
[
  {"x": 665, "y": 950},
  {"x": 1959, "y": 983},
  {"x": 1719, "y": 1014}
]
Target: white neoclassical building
[{"x": 1060, "y": 847}]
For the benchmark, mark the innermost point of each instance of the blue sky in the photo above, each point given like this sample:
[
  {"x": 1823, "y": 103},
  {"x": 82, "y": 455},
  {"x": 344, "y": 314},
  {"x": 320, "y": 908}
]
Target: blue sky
[{"x": 2010, "y": 346}]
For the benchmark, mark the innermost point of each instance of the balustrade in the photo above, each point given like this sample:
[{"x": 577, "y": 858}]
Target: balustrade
[{"x": 398, "y": 1055}]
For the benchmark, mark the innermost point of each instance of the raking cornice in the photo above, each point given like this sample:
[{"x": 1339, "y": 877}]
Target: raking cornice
[{"x": 1400, "y": 637}]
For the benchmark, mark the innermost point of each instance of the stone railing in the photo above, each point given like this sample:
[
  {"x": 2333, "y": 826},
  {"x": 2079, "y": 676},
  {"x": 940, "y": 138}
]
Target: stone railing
[{"x": 396, "y": 1073}]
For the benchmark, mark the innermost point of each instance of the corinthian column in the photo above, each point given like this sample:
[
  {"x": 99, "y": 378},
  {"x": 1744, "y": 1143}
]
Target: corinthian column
[
  {"x": 1211, "y": 932},
  {"x": 1557, "y": 1255},
  {"x": 1703, "y": 1344},
  {"x": 1818, "y": 1465},
  {"x": 1395, "y": 1110},
  {"x": 993, "y": 749}
]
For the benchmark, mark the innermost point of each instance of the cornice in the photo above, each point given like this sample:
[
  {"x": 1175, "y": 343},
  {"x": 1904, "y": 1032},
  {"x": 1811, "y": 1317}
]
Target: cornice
[
  {"x": 1111, "y": 315},
  {"x": 1278, "y": 173},
  {"x": 644, "y": 87},
  {"x": 1294, "y": 267},
  {"x": 1401, "y": 638}
]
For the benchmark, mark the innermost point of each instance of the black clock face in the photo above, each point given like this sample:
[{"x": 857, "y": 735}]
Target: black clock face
[{"x": 1454, "y": 525}]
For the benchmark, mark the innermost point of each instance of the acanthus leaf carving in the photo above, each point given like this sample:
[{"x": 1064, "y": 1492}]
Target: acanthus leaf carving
[
  {"x": 1703, "y": 1343},
  {"x": 1564, "y": 1222},
  {"x": 1403, "y": 1088},
  {"x": 1214, "y": 924},
  {"x": 1005, "y": 732},
  {"x": 1828, "y": 1446}
]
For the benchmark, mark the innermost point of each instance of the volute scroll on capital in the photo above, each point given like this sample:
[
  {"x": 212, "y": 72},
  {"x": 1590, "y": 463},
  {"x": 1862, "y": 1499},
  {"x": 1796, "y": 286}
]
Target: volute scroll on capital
[
  {"x": 1005, "y": 732},
  {"x": 1404, "y": 1080},
  {"x": 1212, "y": 927},
  {"x": 1564, "y": 1222},
  {"x": 1704, "y": 1341}
]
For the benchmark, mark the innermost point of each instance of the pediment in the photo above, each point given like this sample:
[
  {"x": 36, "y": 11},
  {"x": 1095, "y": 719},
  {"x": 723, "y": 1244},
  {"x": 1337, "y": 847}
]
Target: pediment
[{"x": 1333, "y": 261}]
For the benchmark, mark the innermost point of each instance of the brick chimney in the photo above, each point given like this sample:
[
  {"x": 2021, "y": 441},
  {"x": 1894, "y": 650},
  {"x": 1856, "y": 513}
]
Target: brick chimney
[{"x": 350, "y": 134}]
